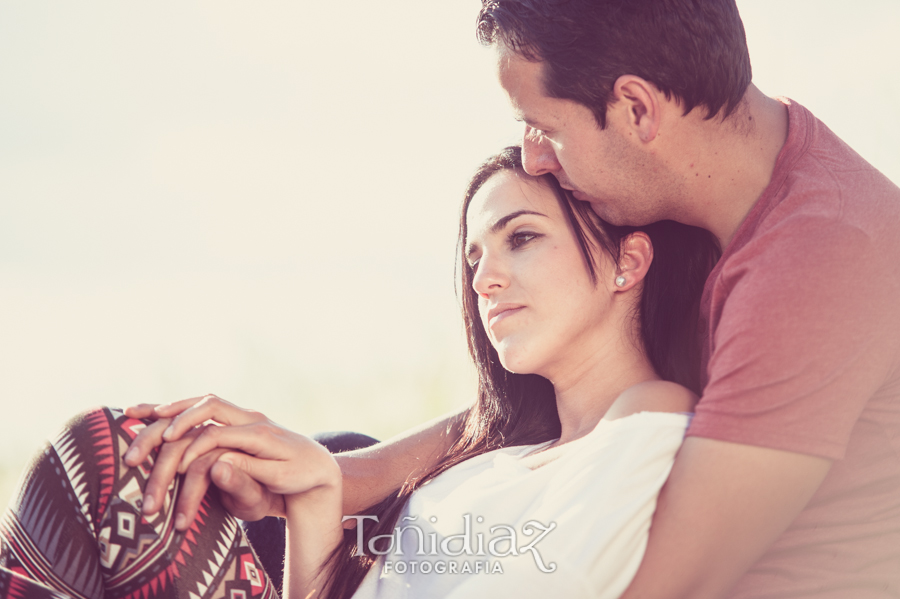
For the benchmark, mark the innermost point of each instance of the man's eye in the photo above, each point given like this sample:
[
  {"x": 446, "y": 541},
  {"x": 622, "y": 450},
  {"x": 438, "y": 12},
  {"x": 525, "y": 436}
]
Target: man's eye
[{"x": 536, "y": 134}]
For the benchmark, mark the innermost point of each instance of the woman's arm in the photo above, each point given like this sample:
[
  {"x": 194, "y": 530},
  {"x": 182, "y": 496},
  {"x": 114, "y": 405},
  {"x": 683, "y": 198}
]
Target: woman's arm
[
  {"x": 371, "y": 473},
  {"x": 313, "y": 532}
]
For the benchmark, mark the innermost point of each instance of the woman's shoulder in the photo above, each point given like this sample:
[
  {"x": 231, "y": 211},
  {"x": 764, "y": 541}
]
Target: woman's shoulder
[{"x": 652, "y": 396}]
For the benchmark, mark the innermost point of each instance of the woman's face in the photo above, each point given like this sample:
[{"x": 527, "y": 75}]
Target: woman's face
[{"x": 540, "y": 308}]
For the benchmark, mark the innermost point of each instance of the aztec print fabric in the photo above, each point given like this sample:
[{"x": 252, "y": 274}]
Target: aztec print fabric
[{"x": 76, "y": 529}]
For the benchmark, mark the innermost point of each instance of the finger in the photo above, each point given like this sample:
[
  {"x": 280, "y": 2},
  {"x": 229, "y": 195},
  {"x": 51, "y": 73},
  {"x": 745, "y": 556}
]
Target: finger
[
  {"x": 270, "y": 473},
  {"x": 164, "y": 470},
  {"x": 210, "y": 408},
  {"x": 146, "y": 441},
  {"x": 141, "y": 410},
  {"x": 193, "y": 489},
  {"x": 242, "y": 496},
  {"x": 172, "y": 409},
  {"x": 256, "y": 439}
]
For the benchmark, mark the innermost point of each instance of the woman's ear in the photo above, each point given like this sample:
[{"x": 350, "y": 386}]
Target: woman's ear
[{"x": 635, "y": 256}]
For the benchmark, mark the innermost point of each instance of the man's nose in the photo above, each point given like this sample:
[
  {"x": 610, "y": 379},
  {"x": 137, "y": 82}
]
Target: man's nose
[{"x": 538, "y": 156}]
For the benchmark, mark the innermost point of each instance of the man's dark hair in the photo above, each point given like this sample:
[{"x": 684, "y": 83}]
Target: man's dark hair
[{"x": 693, "y": 50}]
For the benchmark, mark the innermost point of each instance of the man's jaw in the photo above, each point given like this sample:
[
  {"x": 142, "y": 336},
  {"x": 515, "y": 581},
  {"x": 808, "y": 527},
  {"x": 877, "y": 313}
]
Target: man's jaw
[
  {"x": 583, "y": 197},
  {"x": 567, "y": 185},
  {"x": 564, "y": 181},
  {"x": 576, "y": 193}
]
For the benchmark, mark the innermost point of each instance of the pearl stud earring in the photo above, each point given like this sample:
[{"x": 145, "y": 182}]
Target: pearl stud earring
[{"x": 620, "y": 281}]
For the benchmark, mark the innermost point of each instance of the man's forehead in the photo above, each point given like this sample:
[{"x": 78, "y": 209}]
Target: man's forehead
[
  {"x": 519, "y": 75},
  {"x": 523, "y": 81}
]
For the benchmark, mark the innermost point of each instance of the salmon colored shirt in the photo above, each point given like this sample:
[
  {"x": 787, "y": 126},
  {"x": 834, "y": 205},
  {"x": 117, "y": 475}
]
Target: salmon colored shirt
[{"x": 802, "y": 344}]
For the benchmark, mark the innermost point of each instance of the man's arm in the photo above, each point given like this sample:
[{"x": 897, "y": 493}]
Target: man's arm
[
  {"x": 722, "y": 507},
  {"x": 371, "y": 473}
]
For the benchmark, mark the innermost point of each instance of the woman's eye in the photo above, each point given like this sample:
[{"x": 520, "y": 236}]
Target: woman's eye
[
  {"x": 518, "y": 239},
  {"x": 474, "y": 266}
]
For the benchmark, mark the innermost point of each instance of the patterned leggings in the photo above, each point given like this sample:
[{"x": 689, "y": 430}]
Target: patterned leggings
[{"x": 76, "y": 530}]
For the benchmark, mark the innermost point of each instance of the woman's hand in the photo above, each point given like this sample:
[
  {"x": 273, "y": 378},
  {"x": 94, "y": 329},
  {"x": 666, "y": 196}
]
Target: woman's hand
[
  {"x": 286, "y": 463},
  {"x": 242, "y": 496}
]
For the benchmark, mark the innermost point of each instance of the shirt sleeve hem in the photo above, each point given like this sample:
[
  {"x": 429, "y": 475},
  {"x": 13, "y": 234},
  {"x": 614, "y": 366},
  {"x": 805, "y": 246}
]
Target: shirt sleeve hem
[{"x": 734, "y": 430}]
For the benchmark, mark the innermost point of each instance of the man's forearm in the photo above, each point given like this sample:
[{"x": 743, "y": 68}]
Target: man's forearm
[
  {"x": 373, "y": 472},
  {"x": 722, "y": 507}
]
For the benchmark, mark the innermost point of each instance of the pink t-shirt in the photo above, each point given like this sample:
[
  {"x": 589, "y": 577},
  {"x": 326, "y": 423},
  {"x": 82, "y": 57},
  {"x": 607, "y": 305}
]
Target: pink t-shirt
[{"x": 802, "y": 345}]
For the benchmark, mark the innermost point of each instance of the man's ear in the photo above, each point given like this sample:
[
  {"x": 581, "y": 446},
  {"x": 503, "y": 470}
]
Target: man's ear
[
  {"x": 635, "y": 257},
  {"x": 641, "y": 104}
]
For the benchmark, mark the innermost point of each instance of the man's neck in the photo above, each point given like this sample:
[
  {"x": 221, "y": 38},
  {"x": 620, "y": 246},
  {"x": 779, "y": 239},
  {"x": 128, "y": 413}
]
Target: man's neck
[{"x": 732, "y": 162}]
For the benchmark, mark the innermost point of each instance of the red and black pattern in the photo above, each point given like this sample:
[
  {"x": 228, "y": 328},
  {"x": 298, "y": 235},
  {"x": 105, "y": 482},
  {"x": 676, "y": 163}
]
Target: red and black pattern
[{"x": 76, "y": 528}]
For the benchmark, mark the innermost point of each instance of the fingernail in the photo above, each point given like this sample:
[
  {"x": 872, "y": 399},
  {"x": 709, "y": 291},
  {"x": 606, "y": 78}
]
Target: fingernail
[
  {"x": 180, "y": 521},
  {"x": 168, "y": 433},
  {"x": 149, "y": 504},
  {"x": 131, "y": 455}
]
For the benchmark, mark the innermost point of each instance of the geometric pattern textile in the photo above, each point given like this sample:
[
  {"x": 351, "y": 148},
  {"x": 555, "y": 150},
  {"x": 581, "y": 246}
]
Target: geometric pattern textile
[{"x": 75, "y": 529}]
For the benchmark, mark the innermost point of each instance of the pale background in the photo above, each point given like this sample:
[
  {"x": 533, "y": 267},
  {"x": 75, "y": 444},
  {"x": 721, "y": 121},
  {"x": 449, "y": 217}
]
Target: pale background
[{"x": 260, "y": 200}]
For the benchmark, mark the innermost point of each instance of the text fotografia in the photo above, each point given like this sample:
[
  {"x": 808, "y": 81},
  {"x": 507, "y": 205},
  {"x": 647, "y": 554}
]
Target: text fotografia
[
  {"x": 445, "y": 567},
  {"x": 504, "y": 541}
]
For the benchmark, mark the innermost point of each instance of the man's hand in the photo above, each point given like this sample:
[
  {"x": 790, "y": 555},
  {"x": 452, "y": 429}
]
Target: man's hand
[
  {"x": 722, "y": 507},
  {"x": 243, "y": 497}
]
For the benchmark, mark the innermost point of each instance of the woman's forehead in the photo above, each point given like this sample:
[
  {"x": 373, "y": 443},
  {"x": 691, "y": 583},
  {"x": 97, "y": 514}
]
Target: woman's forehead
[{"x": 506, "y": 192}]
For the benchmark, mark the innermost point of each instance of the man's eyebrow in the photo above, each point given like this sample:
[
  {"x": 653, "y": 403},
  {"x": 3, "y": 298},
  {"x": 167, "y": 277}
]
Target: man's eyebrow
[
  {"x": 534, "y": 124},
  {"x": 501, "y": 223}
]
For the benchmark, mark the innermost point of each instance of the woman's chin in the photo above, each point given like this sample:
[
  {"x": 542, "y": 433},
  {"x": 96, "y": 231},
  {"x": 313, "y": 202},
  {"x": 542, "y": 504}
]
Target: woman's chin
[{"x": 516, "y": 363}]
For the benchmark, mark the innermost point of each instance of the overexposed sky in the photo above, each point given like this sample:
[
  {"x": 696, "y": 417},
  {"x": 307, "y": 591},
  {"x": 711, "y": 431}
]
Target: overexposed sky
[{"x": 260, "y": 200}]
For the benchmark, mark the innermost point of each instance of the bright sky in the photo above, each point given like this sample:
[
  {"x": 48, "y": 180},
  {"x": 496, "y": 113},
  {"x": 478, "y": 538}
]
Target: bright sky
[{"x": 260, "y": 199}]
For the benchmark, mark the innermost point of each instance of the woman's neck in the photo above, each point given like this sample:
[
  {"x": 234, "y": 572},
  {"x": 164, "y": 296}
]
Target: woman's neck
[{"x": 586, "y": 390}]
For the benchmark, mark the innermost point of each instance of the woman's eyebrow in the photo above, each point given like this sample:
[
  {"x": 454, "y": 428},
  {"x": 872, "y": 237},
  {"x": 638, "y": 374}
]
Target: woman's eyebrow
[
  {"x": 471, "y": 248},
  {"x": 498, "y": 226}
]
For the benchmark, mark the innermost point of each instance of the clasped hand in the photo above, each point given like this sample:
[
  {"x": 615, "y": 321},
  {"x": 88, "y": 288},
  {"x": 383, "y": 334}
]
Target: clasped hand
[{"x": 256, "y": 464}]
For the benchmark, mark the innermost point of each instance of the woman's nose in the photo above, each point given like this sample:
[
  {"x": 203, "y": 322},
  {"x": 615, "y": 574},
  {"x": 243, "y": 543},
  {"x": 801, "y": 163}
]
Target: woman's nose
[
  {"x": 490, "y": 276},
  {"x": 538, "y": 156}
]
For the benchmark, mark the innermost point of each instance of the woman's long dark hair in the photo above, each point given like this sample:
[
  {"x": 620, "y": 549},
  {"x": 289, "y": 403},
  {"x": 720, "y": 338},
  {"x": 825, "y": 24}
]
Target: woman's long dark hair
[{"x": 520, "y": 409}]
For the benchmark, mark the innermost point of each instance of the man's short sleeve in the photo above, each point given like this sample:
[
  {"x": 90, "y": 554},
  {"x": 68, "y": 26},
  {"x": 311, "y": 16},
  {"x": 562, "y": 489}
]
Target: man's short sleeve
[{"x": 807, "y": 336}]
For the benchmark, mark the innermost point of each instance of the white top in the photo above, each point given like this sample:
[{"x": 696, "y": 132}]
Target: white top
[{"x": 571, "y": 521}]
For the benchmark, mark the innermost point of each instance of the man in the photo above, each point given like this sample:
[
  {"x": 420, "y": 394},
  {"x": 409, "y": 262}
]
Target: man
[{"x": 788, "y": 484}]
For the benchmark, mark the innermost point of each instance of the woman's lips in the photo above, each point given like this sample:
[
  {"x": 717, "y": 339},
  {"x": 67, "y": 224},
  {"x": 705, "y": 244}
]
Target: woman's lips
[{"x": 502, "y": 312}]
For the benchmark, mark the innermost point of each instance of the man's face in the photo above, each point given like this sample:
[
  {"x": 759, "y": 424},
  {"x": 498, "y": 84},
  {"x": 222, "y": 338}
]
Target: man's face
[{"x": 608, "y": 167}]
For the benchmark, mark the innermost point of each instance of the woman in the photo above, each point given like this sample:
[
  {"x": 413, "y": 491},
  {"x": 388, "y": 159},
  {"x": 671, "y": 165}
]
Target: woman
[{"x": 575, "y": 327}]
